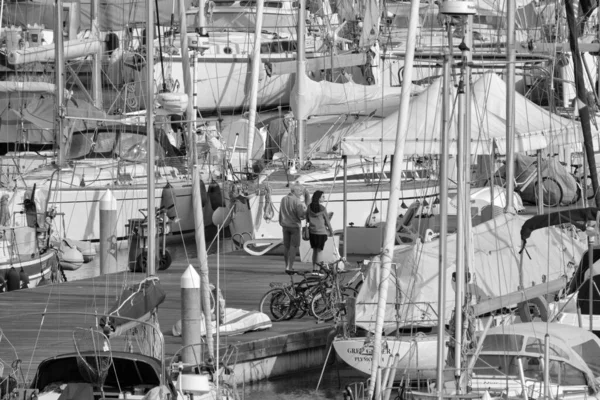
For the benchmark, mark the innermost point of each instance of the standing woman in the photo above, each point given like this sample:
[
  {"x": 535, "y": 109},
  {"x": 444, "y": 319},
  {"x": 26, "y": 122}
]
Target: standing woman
[{"x": 319, "y": 226}]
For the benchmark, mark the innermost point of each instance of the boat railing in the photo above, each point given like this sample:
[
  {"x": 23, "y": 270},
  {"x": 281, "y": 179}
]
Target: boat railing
[
  {"x": 224, "y": 369},
  {"x": 423, "y": 314}
]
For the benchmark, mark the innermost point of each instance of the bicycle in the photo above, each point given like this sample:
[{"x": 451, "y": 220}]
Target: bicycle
[
  {"x": 289, "y": 300},
  {"x": 330, "y": 300}
]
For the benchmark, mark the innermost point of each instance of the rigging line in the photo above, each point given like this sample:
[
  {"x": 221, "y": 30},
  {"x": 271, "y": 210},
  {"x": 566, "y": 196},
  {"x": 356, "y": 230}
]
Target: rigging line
[
  {"x": 160, "y": 52},
  {"x": 377, "y": 189},
  {"x": 37, "y": 339}
]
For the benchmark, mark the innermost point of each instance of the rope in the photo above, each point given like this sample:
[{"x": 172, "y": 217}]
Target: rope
[{"x": 269, "y": 210}]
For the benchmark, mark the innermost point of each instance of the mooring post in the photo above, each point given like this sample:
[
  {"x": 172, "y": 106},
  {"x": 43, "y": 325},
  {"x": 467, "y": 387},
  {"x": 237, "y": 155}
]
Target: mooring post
[
  {"x": 191, "y": 316},
  {"x": 108, "y": 230}
]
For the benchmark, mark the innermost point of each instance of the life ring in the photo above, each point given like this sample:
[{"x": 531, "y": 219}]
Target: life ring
[{"x": 533, "y": 308}]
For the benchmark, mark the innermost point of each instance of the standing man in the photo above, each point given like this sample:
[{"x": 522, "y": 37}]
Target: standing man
[{"x": 292, "y": 211}]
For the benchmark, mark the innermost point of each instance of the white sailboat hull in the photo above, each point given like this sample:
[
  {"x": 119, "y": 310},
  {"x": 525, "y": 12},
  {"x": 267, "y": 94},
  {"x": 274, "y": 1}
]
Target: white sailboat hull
[
  {"x": 82, "y": 209},
  {"x": 417, "y": 354},
  {"x": 361, "y": 206}
]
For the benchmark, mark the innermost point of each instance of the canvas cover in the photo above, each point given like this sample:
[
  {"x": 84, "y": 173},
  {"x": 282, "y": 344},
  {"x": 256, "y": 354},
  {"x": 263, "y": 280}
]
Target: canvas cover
[
  {"x": 579, "y": 346},
  {"x": 237, "y": 322},
  {"x": 535, "y": 128},
  {"x": 28, "y": 117},
  {"x": 494, "y": 271},
  {"x": 562, "y": 190},
  {"x": 577, "y": 217},
  {"x": 135, "y": 302},
  {"x": 319, "y": 97}
]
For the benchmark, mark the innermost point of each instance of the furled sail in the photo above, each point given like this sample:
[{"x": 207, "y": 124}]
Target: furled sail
[{"x": 348, "y": 97}]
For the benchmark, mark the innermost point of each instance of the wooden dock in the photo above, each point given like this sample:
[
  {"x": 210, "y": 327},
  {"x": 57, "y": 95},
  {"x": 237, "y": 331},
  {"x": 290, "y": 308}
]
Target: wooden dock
[{"x": 287, "y": 346}]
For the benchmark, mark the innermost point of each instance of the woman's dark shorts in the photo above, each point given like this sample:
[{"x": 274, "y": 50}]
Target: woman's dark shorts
[{"x": 317, "y": 241}]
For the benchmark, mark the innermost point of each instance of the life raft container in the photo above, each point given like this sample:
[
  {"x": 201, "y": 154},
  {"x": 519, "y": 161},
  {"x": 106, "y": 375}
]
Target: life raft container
[{"x": 174, "y": 103}]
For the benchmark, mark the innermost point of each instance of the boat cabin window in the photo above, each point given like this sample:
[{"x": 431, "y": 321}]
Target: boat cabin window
[
  {"x": 561, "y": 372},
  {"x": 270, "y": 4},
  {"x": 496, "y": 364},
  {"x": 535, "y": 345},
  {"x": 503, "y": 343},
  {"x": 565, "y": 374},
  {"x": 508, "y": 365},
  {"x": 81, "y": 144},
  {"x": 590, "y": 353}
]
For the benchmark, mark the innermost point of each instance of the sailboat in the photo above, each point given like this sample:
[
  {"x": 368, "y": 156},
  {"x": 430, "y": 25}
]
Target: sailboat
[{"x": 406, "y": 316}]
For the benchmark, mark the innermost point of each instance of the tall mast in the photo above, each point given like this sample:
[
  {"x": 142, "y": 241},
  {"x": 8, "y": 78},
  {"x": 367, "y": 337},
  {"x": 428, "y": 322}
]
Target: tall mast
[
  {"x": 301, "y": 78},
  {"x": 196, "y": 182},
  {"x": 188, "y": 86},
  {"x": 462, "y": 205},
  {"x": 97, "y": 57},
  {"x": 582, "y": 102},
  {"x": 441, "y": 344},
  {"x": 464, "y": 9},
  {"x": 510, "y": 102},
  {"x": 151, "y": 267},
  {"x": 392, "y": 211},
  {"x": 254, "y": 77},
  {"x": 60, "y": 84}
]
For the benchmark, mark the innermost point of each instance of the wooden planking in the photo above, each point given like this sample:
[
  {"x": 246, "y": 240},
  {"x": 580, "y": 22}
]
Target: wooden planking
[{"x": 244, "y": 279}]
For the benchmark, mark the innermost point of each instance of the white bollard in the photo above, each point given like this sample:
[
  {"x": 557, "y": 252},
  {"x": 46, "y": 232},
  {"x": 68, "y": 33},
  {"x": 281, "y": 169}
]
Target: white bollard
[
  {"x": 108, "y": 230},
  {"x": 191, "y": 316}
]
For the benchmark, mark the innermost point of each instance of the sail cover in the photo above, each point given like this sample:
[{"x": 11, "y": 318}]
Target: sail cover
[
  {"x": 535, "y": 128},
  {"x": 136, "y": 303},
  {"x": 349, "y": 97},
  {"x": 494, "y": 271},
  {"x": 577, "y": 217},
  {"x": 28, "y": 117}
]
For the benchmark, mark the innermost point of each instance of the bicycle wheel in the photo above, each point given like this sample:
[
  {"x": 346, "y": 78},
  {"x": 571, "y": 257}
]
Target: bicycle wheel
[
  {"x": 552, "y": 192},
  {"x": 323, "y": 304},
  {"x": 277, "y": 303}
]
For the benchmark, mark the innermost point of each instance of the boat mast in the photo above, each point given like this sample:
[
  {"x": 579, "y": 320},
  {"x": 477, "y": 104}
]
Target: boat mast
[
  {"x": 188, "y": 85},
  {"x": 300, "y": 79},
  {"x": 463, "y": 209},
  {"x": 389, "y": 234},
  {"x": 151, "y": 263},
  {"x": 97, "y": 57},
  {"x": 582, "y": 101},
  {"x": 441, "y": 344},
  {"x": 510, "y": 104},
  {"x": 196, "y": 182},
  {"x": 465, "y": 10},
  {"x": 59, "y": 71},
  {"x": 254, "y": 80}
]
